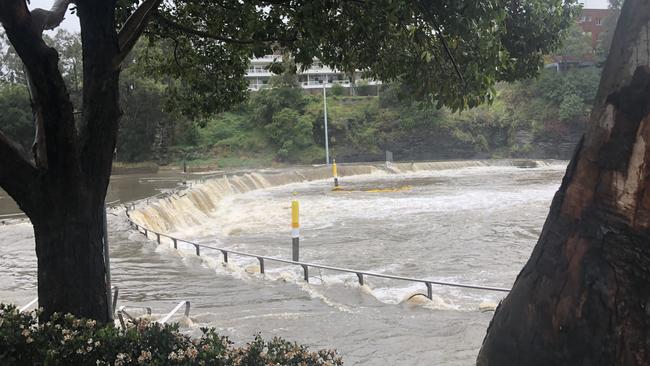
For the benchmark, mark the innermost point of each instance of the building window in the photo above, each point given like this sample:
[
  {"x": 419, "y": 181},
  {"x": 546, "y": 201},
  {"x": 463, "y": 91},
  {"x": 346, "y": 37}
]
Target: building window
[
  {"x": 582, "y": 19},
  {"x": 599, "y": 21}
]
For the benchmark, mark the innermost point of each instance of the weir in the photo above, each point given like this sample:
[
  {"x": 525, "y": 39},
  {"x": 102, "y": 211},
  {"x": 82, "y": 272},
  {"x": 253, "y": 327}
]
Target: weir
[
  {"x": 193, "y": 206},
  {"x": 187, "y": 208}
]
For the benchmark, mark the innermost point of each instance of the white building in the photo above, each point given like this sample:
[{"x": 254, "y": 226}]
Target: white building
[{"x": 258, "y": 75}]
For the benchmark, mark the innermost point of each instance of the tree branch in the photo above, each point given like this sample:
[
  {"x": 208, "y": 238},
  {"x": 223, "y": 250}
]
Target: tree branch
[
  {"x": 134, "y": 27},
  {"x": 185, "y": 29},
  {"x": 51, "y": 103},
  {"x": 427, "y": 11},
  {"x": 49, "y": 19},
  {"x": 17, "y": 174}
]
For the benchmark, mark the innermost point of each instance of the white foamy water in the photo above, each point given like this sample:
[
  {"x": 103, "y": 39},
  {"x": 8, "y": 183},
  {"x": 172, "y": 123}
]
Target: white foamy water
[{"x": 473, "y": 224}]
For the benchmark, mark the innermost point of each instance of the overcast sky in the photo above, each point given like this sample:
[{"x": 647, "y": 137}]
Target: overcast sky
[
  {"x": 595, "y": 4},
  {"x": 71, "y": 22}
]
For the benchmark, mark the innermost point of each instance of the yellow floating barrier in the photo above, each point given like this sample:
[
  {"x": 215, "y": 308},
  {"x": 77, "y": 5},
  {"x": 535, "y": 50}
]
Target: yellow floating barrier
[
  {"x": 383, "y": 190},
  {"x": 374, "y": 190}
]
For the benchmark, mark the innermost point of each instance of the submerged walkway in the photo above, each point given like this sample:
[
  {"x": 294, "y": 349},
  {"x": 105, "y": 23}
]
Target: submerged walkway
[{"x": 305, "y": 265}]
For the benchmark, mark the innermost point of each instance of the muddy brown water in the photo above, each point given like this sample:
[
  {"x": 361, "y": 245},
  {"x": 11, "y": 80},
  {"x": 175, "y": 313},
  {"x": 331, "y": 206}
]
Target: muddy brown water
[{"x": 474, "y": 225}]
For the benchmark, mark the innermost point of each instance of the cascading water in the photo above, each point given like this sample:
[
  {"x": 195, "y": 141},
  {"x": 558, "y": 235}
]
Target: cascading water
[{"x": 180, "y": 213}]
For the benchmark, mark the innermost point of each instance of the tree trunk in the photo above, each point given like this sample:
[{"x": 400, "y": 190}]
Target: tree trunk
[
  {"x": 62, "y": 190},
  {"x": 71, "y": 271},
  {"x": 583, "y": 298}
]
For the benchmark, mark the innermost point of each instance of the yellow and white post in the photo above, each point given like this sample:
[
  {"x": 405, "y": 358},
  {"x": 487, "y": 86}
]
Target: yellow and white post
[
  {"x": 295, "y": 231},
  {"x": 335, "y": 174}
]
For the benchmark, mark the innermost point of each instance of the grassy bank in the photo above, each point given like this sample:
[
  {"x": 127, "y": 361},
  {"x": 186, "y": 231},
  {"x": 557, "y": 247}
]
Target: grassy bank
[{"x": 132, "y": 168}]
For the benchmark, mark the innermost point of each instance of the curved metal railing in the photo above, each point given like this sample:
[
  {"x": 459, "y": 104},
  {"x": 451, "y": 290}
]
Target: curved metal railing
[
  {"x": 175, "y": 310},
  {"x": 123, "y": 313},
  {"x": 306, "y": 265}
]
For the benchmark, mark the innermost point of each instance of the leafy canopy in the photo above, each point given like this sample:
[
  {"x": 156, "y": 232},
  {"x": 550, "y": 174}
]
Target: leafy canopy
[{"x": 449, "y": 52}]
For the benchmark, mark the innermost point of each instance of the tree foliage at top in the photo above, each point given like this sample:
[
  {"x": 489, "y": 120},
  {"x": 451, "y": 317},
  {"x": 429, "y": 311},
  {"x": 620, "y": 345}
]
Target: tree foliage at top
[
  {"x": 450, "y": 52},
  {"x": 576, "y": 45},
  {"x": 616, "y": 4}
]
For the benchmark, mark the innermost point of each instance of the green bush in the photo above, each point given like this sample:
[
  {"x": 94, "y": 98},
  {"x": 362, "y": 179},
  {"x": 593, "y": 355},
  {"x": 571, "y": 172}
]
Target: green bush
[
  {"x": 310, "y": 155},
  {"x": 253, "y": 140},
  {"x": 291, "y": 132},
  {"x": 572, "y": 107},
  {"x": 363, "y": 89},
  {"x": 337, "y": 90},
  {"x": 65, "y": 340},
  {"x": 220, "y": 127}
]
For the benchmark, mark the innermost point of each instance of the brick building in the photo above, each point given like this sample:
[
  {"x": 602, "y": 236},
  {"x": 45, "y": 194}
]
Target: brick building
[{"x": 591, "y": 21}]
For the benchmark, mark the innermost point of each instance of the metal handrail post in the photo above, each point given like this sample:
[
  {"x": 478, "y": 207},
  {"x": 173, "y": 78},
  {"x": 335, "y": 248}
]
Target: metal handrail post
[
  {"x": 305, "y": 269},
  {"x": 261, "y": 264},
  {"x": 225, "y": 256},
  {"x": 429, "y": 290},
  {"x": 26, "y": 306},
  {"x": 115, "y": 294},
  {"x": 107, "y": 263},
  {"x": 171, "y": 313}
]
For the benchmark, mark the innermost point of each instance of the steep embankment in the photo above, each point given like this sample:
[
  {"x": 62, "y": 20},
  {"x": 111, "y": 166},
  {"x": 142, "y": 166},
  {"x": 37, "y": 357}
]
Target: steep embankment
[{"x": 192, "y": 207}]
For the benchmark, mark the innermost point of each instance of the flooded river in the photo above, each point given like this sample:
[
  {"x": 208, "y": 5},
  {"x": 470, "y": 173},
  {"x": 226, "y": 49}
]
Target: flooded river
[{"x": 474, "y": 225}]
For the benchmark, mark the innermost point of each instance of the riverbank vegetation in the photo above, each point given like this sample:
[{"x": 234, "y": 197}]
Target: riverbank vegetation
[
  {"x": 540, "y": 118},
  {"x": 536, "y": 118},
  {"x": 66, "y": 340}
]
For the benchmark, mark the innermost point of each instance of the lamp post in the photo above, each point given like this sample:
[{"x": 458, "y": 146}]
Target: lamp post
[{"x": 327, "y": 147}]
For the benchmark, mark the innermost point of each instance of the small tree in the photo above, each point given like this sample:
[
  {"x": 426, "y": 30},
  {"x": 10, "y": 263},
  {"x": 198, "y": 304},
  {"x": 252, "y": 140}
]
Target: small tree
[
  {"x": 576, "y": 45},
  {"x": 337, "y": 90}
]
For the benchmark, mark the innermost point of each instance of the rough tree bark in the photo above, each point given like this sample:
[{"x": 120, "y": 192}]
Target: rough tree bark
[
  {"x": 583, "y": 298},
  {"x": 62, "y": 187}
]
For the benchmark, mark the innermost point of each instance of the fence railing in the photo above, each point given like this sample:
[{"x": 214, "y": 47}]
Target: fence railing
[
  {"x": 123, "y": 313},
  {"x": 361, "y": 275},
  {"x": 175, "y": 310}
]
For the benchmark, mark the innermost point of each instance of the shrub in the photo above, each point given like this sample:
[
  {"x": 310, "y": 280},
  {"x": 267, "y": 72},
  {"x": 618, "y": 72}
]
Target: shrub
[
  {"x": 65, "y": 340},
  {"x": 572, "y": 107},
  {"x": 363, "y": 89},
  {"x": 337, "y": 90}
]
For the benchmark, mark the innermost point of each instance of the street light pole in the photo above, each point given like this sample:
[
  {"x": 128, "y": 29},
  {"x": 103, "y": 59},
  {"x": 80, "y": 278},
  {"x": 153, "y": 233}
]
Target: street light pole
[{"x": 327, "y": 147}]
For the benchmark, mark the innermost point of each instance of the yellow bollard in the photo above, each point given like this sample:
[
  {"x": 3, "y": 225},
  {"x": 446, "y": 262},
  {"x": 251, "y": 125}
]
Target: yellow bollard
[
  {"x": 295, "y": 231},
  {"x": 335, "y": 174}
]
